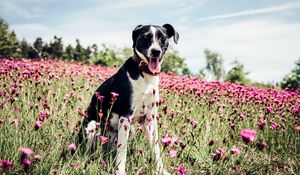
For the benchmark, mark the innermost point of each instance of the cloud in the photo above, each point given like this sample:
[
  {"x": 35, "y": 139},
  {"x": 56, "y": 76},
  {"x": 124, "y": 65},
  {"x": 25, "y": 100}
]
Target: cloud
[
  {"x": 268, "y": 48},
  {"x": 272, "y": 9}
]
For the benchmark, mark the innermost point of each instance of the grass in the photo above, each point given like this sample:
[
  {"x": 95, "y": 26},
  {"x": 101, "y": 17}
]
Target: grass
[{"x": 198, "y": 113}]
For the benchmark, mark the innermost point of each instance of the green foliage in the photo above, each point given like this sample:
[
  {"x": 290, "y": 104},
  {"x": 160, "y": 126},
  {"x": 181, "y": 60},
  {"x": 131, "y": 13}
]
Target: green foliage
[
  {"x": 8, "y": 40},
  {"x": 292, "y": 80},
  {"x": 237, "y": 74},
  {"x": 107, "y": 57},
  {"x": 174, "y": 63},
  {"x": 214, "y": 64}
]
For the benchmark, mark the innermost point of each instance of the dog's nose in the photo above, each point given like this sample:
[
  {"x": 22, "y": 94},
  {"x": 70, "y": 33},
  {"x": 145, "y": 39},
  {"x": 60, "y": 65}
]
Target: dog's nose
[{"x": 155, "y": 52}]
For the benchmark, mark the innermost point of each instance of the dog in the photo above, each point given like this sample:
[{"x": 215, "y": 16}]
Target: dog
[{"x": 132, "y": 93}]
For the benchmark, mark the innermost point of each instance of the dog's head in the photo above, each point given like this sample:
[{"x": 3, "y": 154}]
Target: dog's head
[{"x": 150, "y": 43}]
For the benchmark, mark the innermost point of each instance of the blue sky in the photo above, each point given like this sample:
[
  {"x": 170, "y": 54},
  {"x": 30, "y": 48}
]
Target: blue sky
[{"x": 262, "y": 34}]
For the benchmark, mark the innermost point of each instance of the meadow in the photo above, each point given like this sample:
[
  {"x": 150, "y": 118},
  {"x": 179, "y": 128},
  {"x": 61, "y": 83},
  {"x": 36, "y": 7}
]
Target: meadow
[{"x": 204, "y": 127}]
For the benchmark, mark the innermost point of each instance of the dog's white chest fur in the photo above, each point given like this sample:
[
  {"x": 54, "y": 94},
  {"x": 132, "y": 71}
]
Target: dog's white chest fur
[{"x": 144, "y": 93}]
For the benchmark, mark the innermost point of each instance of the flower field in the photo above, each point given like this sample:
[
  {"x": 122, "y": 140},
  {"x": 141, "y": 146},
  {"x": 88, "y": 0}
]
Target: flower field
[{"x": 204, "y": 127}]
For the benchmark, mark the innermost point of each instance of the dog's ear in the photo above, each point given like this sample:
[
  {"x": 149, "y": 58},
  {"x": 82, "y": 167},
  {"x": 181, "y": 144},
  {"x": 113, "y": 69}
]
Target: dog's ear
[
  {"x": 135, "y": 34},
  {"x": 171, "y": 32}
]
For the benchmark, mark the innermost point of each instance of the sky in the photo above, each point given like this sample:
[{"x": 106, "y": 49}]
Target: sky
[{"x": 264, "y": 35}]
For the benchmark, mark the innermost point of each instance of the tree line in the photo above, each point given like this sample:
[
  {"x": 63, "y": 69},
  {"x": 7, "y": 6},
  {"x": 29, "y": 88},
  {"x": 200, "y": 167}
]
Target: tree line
[{"x": 108, "y": 56}]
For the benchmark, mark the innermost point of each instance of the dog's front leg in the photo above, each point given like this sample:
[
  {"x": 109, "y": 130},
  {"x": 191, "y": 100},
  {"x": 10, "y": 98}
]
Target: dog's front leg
[
  {"x": 123, "y": 133},
  {"x": 151, "y": 136}
]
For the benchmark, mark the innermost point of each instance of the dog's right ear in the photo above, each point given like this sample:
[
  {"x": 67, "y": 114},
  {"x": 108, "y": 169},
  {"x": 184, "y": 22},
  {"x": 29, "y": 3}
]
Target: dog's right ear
[{"x": 135, "y": 34}]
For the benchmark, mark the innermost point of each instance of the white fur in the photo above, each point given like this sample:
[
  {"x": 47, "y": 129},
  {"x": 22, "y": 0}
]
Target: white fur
[
  {"x": 114, "y": 121},
  {"x": 123, "y": 133},
  {"x": 143, "y": 93},
  {"x": 91, "y": 130},
  {"x": 155, "y": 44}
]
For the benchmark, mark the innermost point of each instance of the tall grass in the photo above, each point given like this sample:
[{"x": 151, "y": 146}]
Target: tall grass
[{"x": 201, "y": 117}]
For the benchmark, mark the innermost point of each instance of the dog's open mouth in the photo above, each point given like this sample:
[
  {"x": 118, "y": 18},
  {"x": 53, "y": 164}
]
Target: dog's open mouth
[{"x": 154, "y": 65}]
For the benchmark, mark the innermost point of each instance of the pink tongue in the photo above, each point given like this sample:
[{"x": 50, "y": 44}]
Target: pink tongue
[{"x": 154, "y": 66}]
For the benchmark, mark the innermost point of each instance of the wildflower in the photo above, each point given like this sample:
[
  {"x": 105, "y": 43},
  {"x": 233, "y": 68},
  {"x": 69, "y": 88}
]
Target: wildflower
[
  {"x": 270, "y": 109},
  {"x": 103, "y": 139},
  {"x": 5, "y": 164},
  {"x": 15, "y": 122},
  {"x": 232, "y": 125},
  {"x": 114, "y": 96},
  {"x": 75, "y": 165},
  {"x": 262, "y": 145},
  {"x": 181, "y": 170},
  {"x": 173, "y": 153},
  {"x": 26, "y": 151},
  {"x": 248, "y": 135},
  {"x": 273, "y": 125},
  {"x": 168, "y": 140},
  {"x": 26, "y": 163},
  {"x": 37, "y": 157},
  {"x": 37, "y": 124},
  {"x": 297, "y": 128},
  {"x": 1, "y": 121},
  {"x": 72, "y": 147},
  {"x": 218, "y": 154},
  {"x": 235, "y": 150},
  {"x": 99, "y": 97},
  {"x": 261, "y": 124},
  {"x": 194, "y": 122}
]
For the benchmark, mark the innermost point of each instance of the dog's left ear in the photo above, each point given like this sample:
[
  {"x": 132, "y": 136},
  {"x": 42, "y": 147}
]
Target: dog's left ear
[
  {"x": 135, "y": 34},
  {"x": 171, "y": 32}
]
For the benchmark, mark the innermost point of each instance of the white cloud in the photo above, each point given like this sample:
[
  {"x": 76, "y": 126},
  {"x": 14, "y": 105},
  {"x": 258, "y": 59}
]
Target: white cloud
[
  {"x": 272, "y": 9},
  {"x": 267, "y": 48}
]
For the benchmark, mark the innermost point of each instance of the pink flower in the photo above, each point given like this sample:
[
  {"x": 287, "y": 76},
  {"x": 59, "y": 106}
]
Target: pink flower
[
  {"x": 248, "y": 135},
  {"x": 297, "y": 128},
  {"x": 232, "y": 125},
  {"x": 270, "y": 109},
  {"x": 37, "y": 124},
  {"x": 261, "y": 124},
  {"x": 235, "y": 150},
  {"x": 6, "y": 164},
  {"x": 262, "y": 145},
  {"x": 15, "y": 122},
  {"x": 114, "y": 96},
  {"x": 72, "y": 147},
  {"x": 181, "y": 170},
  {"x": 173, "y": 153},
  {"x": 26, "y": 151},
  {"x": 168, "y": 140},
  {"x": 273, "y": 125},
  {"x": 218, "y": 154},
  {"x": 103, "y": 139},
  {"x": 38, "y": 157},
  {"x": 26, "y": 163}
]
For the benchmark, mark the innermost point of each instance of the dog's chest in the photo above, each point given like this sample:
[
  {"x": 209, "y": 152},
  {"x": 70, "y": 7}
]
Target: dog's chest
[{"x": 144, "y": 94}]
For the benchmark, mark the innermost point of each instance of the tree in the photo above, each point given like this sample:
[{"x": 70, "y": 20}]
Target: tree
[
  {"x": 56, "y": 48},
  {"x": 24, "y": 48},
  {"x": 237, "y": 74},
  {"x": 174, "y": 63},
  {"x": 108, "y": 57},
  {"x": 8, "y": 40},
  {"x": 292, "y": 80},
  {"x": 214, "y": 64}
]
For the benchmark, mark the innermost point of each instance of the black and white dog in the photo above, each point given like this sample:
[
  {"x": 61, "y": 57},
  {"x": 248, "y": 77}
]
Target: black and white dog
[{"x": 136, "y": 84}]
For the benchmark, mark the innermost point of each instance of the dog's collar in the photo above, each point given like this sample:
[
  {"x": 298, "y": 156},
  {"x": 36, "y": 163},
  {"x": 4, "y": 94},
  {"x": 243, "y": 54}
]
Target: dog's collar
[{"x": 143, "y": 65}]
